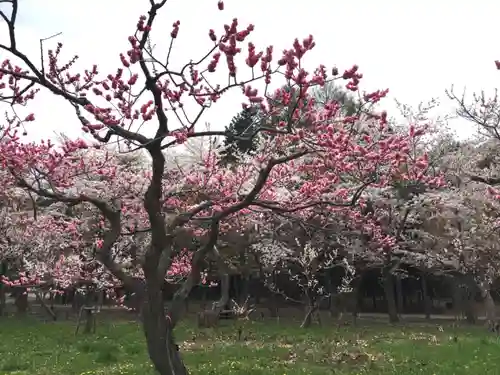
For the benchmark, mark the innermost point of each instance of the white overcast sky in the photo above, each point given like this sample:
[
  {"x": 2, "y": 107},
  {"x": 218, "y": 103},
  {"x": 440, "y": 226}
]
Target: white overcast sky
[{"x": 417, "y": 49}]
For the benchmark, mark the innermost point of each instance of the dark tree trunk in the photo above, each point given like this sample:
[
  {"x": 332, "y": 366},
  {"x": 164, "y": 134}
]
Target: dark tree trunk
[
  {"x": 47, "y": 308},
  {"x": 464, "y": 297},
  {"x": 335, "y": 305},
  {"x": 470, "y": 313},
  {"x": 2, "y": 299},
  {"x": 77, "y": 300},
  {"x": 311, "y": 310},
  {"x": 245, "y": 288},
  {"x": 271, "y": 301},
  {"x": 399, "y": 294},
  {"x": 52, "y": 301},
  {"x": 204, "y": 297},
  {"x": 3, "y": 271},
  {"x": 21, "y": 301},
  {"x": 245, "y": 278},
  {"x": 257, "y": 298},
  {"x": 158, "y": 330},
  {"x": 89, "y": 306},
  {"x": 161, "y": 345},
  {"x": 489, "y": 307},
  {"x": 356, "y": 299},
  {"x": 89, "y": 320},
  {"x": 425, "y": 296},
  {"x": 272, "y": 307},
  {"x": 390, "y": 297},
  {"x": 225, "y": 284},
  {"x": 457, "y": 298}
]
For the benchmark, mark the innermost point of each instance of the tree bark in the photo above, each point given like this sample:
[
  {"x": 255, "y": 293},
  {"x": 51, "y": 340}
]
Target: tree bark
[
  {"x": 271, "y": 302},
  {"x": 311, "y": 309},
  {"x": 21, "y": 301},
  {"x": 399, "y": 294},
  {"x": 355, "y": 300},
  {"x": 161, "y": 345},
  {"x": 490, "y": 308},
  {"x": 89, "y": 320},
  {"x": 335, "y": 306},
  {"x": 425, "y": 296},
  {"x": 244, "y": 289},
  {"x": 390, "y": 296},
  {"x": 463, "y": 298},
  {"x": 489, "y": 305},
  {"x": 77, "y": 301},
  {"x": 3, "y": 271},
  {"x": 457, "y": 298},
  {"x": 46, "y": 307},
  {"x": 2, "y": 299},
  {"x": 89, "y": 311},
  {"x": 225, "y": 284},
  {"x": 158, "y": 329},
  {"x": 470, "y": 312},
  {"x": 272, "y": 306}
]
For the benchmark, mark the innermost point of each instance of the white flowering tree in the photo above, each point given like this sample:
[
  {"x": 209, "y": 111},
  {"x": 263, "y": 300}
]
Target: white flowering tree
[
  {"x": 305, "y": 262},
  {"x": 454, "y": 231}
]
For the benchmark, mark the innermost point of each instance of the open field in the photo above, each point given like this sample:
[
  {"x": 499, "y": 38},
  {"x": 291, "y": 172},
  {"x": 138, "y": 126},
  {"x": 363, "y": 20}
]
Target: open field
[{"x": 28, "y": 347}]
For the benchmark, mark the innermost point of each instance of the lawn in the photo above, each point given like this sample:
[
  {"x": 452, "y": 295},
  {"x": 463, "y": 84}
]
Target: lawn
[{"x": 33, "y": 348}]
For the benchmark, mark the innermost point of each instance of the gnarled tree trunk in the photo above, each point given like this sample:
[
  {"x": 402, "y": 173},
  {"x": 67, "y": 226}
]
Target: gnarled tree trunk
[{"x": 158, "y": 329}]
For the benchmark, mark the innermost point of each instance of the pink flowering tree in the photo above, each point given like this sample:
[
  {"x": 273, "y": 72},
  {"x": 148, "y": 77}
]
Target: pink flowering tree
[
  {"x": 9, "y": 206},
  {"x": 64, "y": 239},
  {"x": 328, "y": 161}
]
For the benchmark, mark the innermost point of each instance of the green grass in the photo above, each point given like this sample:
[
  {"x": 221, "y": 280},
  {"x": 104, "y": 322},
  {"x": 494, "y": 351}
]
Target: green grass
[{"x": 32, "y": 348}]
